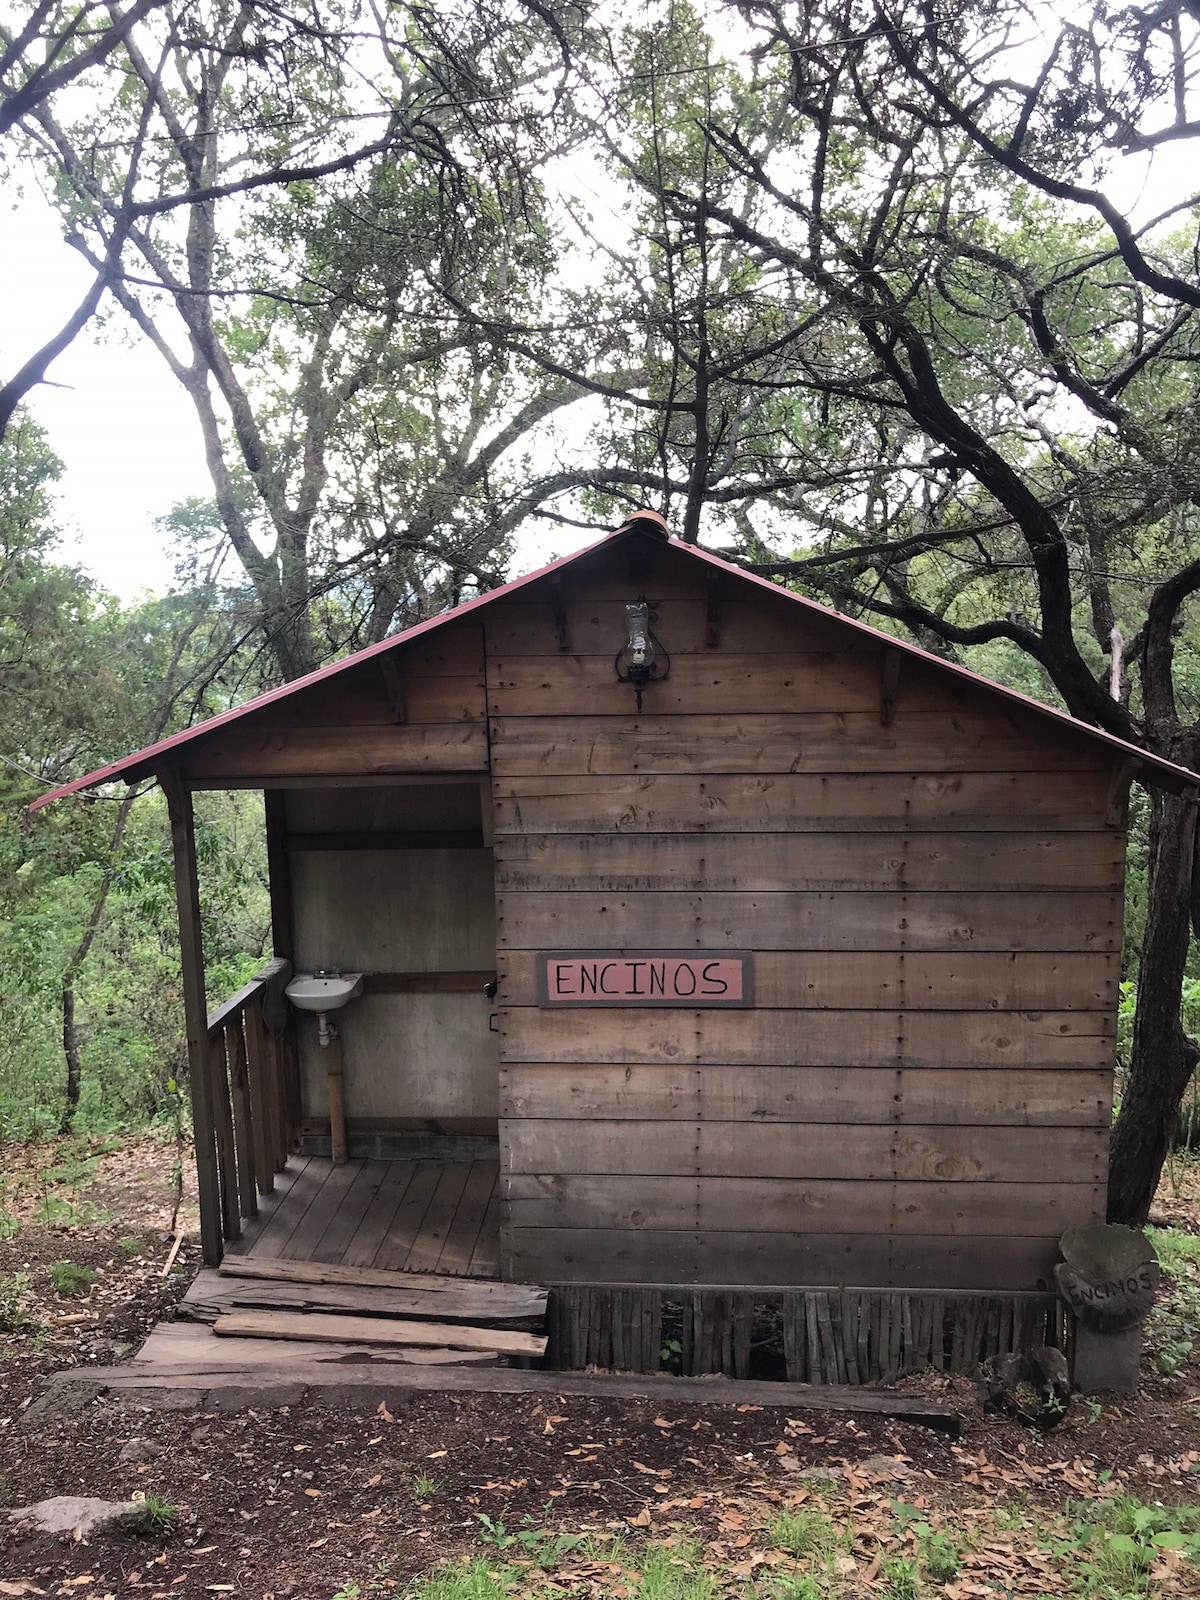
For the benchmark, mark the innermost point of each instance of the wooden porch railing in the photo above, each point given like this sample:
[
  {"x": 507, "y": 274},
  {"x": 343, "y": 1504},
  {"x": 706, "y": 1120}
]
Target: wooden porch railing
[{"x": 252, "y": 1077}]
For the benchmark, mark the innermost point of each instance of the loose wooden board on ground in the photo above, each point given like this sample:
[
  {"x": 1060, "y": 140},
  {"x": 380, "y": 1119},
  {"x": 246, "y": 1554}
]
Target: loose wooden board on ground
[
  {"x": 175, "y": 1346},
  {"x": 318, "y": 1327},
  {"x": 212, "y": 1294},
  {"x": 385, "y": 1381},
  {"x": 493, "y": 1300}
]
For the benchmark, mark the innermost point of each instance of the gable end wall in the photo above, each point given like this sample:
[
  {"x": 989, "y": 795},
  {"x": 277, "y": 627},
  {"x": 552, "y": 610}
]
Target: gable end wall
[{"x": 920, "y": 1096}]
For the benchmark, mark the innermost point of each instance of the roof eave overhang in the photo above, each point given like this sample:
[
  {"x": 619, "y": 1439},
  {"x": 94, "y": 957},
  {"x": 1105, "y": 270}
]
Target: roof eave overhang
[{"x": 1149, "y": 769}]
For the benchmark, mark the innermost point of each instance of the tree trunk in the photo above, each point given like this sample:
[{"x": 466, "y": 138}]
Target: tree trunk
[
  {"x": 70, "y": 1038},
  {"x": 1164, "y": 1058},
  {"x": 70, "y": 1035}
]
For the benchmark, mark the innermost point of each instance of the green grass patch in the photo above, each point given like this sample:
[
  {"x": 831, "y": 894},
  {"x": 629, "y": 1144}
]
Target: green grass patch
[
  {"x": 1173, "y": 1326},
  {"x": 162, "y": 1513},
  {"x": 69, "y": 1277},
  {"x": 14, "y": 1290},
  {"x": 809, "y": 1533},
  {"x": 75, "y": 1172}
]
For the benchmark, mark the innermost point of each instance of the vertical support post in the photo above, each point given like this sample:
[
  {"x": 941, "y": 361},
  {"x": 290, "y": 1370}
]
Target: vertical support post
[
  {"x": 279, "y": 875},
  {"x": 262, "y": 1097},
  {"x": 244, "y": 1121},
  {"x": 283, "y": 943},
  {"x": 191, "y": 958},
  {"x": 335, "y": 1073},
  {"x": 226, "y": 1145}
]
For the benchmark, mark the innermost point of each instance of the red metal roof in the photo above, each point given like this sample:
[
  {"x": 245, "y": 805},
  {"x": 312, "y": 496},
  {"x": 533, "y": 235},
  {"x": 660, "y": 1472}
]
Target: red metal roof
[{"x": 1151, "y": 766}]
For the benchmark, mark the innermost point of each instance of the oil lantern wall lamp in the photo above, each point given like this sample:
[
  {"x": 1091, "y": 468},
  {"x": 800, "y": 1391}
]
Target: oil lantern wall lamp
[{"x": 641, "y": 659}]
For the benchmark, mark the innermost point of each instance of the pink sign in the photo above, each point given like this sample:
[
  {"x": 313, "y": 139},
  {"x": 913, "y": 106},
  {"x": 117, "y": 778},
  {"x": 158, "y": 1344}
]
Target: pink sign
[{"x": 645, "y": 978}]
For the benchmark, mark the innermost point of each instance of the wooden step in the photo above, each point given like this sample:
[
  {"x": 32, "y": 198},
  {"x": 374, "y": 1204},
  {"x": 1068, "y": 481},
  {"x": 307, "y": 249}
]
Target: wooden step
[
  {"x": 455, "y": 1300},
  {"x": 321, "y": 1368},
  {"x": 486, "y": 1297},
  {"x": 181, "y": 1346},
  {"x": 317, "y": 1327}
]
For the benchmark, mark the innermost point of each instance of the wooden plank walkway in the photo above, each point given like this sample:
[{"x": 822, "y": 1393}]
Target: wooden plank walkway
[{"x": 397, "y": 1216}]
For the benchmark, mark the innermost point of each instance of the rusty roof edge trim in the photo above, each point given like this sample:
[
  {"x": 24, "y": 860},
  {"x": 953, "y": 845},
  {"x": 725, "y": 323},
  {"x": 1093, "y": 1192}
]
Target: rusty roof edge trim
[
  {"x": 139, "y": 762},
  {"x": 145, "y": 758}
]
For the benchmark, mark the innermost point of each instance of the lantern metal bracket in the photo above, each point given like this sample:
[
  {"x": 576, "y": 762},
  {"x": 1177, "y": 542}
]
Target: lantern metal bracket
[{"x": 641, "y": 659}]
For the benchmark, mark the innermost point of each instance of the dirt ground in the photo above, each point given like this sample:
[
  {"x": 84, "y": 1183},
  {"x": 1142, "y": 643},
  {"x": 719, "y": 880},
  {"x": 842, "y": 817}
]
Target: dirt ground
[{"x": 303, "y": 1501}]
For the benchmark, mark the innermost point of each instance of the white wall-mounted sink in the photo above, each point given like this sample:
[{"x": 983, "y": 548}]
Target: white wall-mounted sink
[{"x": 323, "y": 991}]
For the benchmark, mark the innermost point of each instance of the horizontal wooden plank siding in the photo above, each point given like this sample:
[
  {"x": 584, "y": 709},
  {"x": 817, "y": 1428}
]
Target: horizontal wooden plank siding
[
  {"x": 420, "y": 709},
  {"x": 718, "y": 1202},
  {"x": 946, "y": 1039},
  {"x": 907, "y": 980},
  {"x": 854, "y": 741},
  {"x": 856, "y": 861},
  {"x": 781, "y": 1150},
  {"x": 271, "y": 752},
  {"x": 929, "y": 882},
  {"x": 596, "y": 625},
  {"x": 687, "y": 918},
  {"x": 716, "y": 682},
  {"x": 975, "y": 1097},
  {"x": 783, "y": 802},
  {"x": 759, "y": 1256}
]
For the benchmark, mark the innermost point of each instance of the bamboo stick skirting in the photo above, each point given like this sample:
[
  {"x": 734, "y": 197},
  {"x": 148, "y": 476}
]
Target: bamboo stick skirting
[{"x": 828, "y": 1336}]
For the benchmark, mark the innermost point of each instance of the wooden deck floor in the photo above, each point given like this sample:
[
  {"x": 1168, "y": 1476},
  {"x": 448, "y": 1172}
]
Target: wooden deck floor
[{"x": 397, "y": 1216}]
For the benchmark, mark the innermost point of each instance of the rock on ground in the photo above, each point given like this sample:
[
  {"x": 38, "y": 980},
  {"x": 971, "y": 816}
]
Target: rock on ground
[{"x": 74, "y": 1516}]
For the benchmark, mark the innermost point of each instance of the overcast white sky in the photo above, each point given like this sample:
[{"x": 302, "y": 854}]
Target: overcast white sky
[
  {"x": 123, "y": 427},
  {"x": 126, "y": 432}
]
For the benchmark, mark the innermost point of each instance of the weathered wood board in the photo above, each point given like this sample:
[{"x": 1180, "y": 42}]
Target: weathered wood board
[
  {"x": 691, "y": 917},
  {"x": 974, "y": 1098},
  {"x": 949, "y": 1039},
  {"x": 489, "y": 1299},
  {"x": 782, "y": 742},
  {"x": 852, "y": 861},
  {"x": 211, "y": 1294},
  {"x": 908, "y": 980},
  {"x": 963, "y": 1209},
  {"x": 789, "y": 1150},
  {"x": 278, "y": 752},
  {"x": 754, "y": 1256},
  {"x": 787, "y": 802},
  {"x": 723, "y": 682},
  {"x": 174, "y": 1347},
  {"x": 321, "y": 1328}
]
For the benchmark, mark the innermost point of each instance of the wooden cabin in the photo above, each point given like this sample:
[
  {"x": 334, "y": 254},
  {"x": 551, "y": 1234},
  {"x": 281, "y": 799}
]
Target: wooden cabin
[{"x": 805, "y": 946}]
